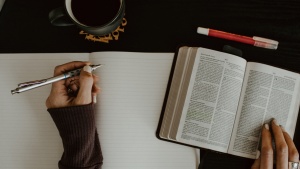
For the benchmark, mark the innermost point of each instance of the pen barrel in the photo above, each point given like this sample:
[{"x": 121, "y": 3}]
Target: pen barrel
[
  {"x": 25, "y": 87},
  {"x": 46, "y": 82},
  {"x": 55, "y": 79},
  {"x": 231, "y": 36}
]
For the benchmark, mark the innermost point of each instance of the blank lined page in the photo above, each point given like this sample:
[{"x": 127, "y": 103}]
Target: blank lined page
[
  {"x": 28, "y": 136},
  {"x": 133, "y": 87}
]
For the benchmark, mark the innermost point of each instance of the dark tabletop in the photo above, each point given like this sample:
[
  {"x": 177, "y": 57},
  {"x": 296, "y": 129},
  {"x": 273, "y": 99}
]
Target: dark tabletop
[{"x": 163, "y": 26}]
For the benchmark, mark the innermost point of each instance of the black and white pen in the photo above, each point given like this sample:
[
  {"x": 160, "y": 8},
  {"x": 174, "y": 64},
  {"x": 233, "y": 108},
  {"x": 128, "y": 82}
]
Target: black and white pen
[{"x": 22, "y": 87}]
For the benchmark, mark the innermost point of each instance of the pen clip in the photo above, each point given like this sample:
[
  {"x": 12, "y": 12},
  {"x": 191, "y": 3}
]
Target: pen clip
[{"x": 25, "y": 84}]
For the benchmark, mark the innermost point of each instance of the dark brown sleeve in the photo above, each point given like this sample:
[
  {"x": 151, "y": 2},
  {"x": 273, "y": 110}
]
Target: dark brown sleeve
[{"x": 76, "y": 126}]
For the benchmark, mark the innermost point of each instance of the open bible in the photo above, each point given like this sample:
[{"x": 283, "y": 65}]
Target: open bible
[{"x": 220, "y": 101}]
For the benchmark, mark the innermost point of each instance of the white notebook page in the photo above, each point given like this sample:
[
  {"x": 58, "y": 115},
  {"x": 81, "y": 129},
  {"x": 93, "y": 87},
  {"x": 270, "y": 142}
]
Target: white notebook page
[
  {"x": 133, "y": 87},
  {"x": 28, "y": 136}
]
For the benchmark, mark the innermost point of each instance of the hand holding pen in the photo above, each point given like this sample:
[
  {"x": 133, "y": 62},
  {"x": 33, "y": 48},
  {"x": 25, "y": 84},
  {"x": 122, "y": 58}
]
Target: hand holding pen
[
  {"x": 75, "y": 90},
  {"x": 78, "y": 90}
]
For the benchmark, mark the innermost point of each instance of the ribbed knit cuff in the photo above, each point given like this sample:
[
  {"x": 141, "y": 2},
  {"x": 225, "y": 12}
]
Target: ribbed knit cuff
[
  {"x": 76, "y": 126},
  {"x": 74, "y": 120}
]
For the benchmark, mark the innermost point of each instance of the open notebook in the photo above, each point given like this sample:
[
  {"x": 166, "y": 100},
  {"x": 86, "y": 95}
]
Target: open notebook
[{"x": 133, "y": 88}]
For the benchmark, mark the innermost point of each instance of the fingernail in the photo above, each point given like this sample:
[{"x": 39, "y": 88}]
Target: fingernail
[
  {"x": 257, "y": 154},
  {"x": 267, "y": 126},
  {"x": 87, "y": 69},
  {"x": 94, "y": 99},
  {"x": 275, "y": 122},
  {"x": 282, "y": 128}
]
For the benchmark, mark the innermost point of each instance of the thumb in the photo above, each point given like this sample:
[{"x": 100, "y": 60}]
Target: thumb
[{"x": 86, "y": 81}]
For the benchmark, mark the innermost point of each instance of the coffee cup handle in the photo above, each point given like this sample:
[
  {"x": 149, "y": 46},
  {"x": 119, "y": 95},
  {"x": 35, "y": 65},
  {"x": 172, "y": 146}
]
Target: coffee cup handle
[{"x": 58, "y": 17}]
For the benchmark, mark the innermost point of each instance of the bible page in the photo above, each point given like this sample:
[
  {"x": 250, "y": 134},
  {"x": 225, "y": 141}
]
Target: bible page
[
  {"x": 29, "y": 138},
  {"x": 268, "y": 92},
  {"x": 133, "y": 86},
  {"x": 212, "y": 100}
]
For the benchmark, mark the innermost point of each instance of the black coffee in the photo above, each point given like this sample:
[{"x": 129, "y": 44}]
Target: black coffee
[{"x": 95, "y": 12}]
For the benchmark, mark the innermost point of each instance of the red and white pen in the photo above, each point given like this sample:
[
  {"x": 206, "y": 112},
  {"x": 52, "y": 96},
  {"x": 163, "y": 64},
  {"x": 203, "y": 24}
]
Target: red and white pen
[{"x": 255, "y": 41}]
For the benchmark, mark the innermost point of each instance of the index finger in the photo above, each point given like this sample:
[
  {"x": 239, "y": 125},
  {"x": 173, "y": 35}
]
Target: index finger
[
  {"x": 281, "y": 146},
  {"x": 60, "y": 69}
]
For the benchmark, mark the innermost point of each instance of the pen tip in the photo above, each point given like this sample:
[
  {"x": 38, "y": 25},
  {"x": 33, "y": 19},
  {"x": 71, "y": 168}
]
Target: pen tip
[
  {"x": 96, "y": 66},
  {"x": 13, "y": 92}
]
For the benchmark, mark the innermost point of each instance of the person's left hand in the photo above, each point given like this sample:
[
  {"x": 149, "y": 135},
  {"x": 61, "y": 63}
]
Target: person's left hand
[
  {"x": 286, "y": 151},
  {"x": 78, "y": 90}
]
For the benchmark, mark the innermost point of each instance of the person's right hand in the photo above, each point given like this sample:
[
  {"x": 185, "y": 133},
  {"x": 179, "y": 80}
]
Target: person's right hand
[
  {"x": 286, "y": 151},
  {"x": 74, "y": 91}
]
